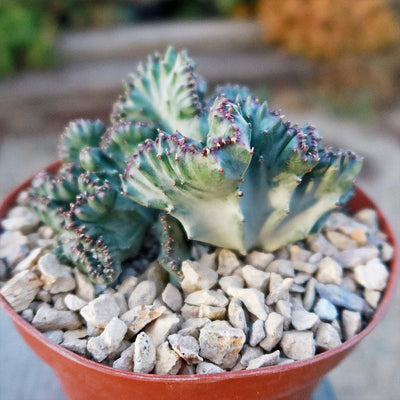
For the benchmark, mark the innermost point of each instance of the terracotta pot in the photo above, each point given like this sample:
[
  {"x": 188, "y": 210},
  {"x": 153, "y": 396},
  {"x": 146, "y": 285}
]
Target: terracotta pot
[{"x": 83, "y": 379}]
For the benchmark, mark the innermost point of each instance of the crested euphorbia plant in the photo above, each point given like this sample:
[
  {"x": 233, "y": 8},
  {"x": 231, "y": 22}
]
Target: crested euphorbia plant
[{"x": 227, "y": 171}]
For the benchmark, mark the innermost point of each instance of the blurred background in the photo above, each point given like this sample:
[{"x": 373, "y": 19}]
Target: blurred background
[{"x": 333, "y": 63}]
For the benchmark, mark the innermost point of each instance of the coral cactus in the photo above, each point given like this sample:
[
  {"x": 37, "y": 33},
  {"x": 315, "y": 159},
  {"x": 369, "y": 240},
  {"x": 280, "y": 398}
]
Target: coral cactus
[
  {"x": 228, "y": 172},
  {"x": 329, "y": 28}
]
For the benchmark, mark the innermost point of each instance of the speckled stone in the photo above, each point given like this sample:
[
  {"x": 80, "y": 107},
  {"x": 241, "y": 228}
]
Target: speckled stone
[
  {"x": 145, "y": 354},
  {"x": 221, "y": 343}
]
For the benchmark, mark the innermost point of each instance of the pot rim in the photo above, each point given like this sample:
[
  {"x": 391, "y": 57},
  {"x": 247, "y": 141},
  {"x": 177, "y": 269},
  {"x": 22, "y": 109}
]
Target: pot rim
[{"x": 215, "y": 377}]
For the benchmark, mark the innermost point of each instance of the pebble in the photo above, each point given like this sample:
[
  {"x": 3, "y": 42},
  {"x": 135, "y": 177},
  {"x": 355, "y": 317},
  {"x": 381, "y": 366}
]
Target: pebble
[
  {"x": 43, "y": 296},
  {"x": 373, "y": 275},
  {"x": 320, "y": 244},
  {"x": 127, "y": 286},
  {"x": 143, "y": 294},
  {"x": 30, "y": 260},
  {"x": 265, "y": 360},
  {"x": 188, "y": 311},
  {"x": 139, "y": 316},
  {"x": 249, "y": 353},
  {"x": 236, "y": 315},
  {"x": 212, "y": 312},
  {"x": 372, "y": 297},
  {"x": 339, "y": 221},
  {"x": 348, "y": 283},
  {"x": 303, "y": 320},
  {"x": 351, "y": 323},
  {"x": 369, "y": 217},
  {"x": 21, "y": 290},
  {"x": 273, "y": 330},
  {"x": 221, "y": 343},
  {"x": 55, "y": 336},
  {"x": 168, "y": 361},
  {"x": 144, "y": 358},
  {"x": 100, "y": 311},
  {"x": 285, "y": 309},
  {"x": 341, "y": 241},
  {"x": 125, "y": 361},
  {"x": 208, "y": 260},
  {"x": 298, "y": 345},
  {"x": 75, "y": 334},
  {"x": 9, "y": 239},
  {"x": 340, "y": 296},
  {"x": 259, "y": 259},
  {"x": 187, "y": 369},
  {"x": 257, "y": 332},
  {"x": 278, "y": 288},
  {"x": 284, "y": 360},
  {"x": 353, "y": 257},
  {"x": 208, "y": 368},
  {"x": 14, "y": 253},
  {"x": 162, "y": 327},
  {"x": 192, "y": 326},
  {"x": 157, "y": 274},
  {"x": 255, "y": 278},
  {"x": 55, "y": 276},
  {"x": 76, "y": 345},
  {"x": 327, "y": 337},
  {"x": 301, "y": 278},
  {"x": 253, "y": 299},
  {"x": 73, "y": 302},
  {"x": 197, "y": 276},
  {"x": 84, "y": 288},
  {"x": 58, "y": 301},
  {"x": 294, "y": 288},
  {"x": 50, "y": 319},
  {"x": 329, "y": 271},
  {"x": 172, "y": 297},
  {"x": 27, "y": 315},
  {"x": 102, "y": 346},
  {"x": 359, "y": 236},
  {"x": 227, "y": 262},
  {"x": 3, "y": 270},
  {"x": 208, "y": 297},
  {"x": 386, "y": 252},
  {"x": 232, "y": 281},
  {"x": 121, "y": 301},
  {"x": 20, "y": 219},
  {"x": 299, "y": 254},
  {"x": 304, "y": 266},
  {"x": 187, "y": 347},
  {"x": 282, "y": 267},
  {"x": 325, "y": 310}
]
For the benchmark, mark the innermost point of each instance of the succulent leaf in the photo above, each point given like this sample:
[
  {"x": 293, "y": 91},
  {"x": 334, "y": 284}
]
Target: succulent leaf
[
  {"x": 121, "y": 140},
  {"x": 230, "y": 92},
  {"x": 91, "y": 257},
  {"x": 329, "y": 185},
  {"x": 174, "y": 247},
  {"x": 165, "y": 91},
  {"x": 264, "y": 164},
  {"x": 78, "y": 135},
  {"x": 198, "y": 186}
]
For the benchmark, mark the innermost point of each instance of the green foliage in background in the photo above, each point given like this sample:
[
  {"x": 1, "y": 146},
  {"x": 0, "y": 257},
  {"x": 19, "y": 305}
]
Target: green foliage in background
[{"x": 26, "y": 36}]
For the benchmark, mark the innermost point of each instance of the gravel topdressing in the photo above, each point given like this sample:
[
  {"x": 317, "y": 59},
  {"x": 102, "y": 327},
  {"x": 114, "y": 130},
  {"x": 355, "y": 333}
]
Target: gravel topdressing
[{"x": 231, "y": 313}]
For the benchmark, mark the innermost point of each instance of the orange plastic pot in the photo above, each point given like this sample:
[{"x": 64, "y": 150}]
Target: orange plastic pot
[{"x": 83, "y": 379}]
